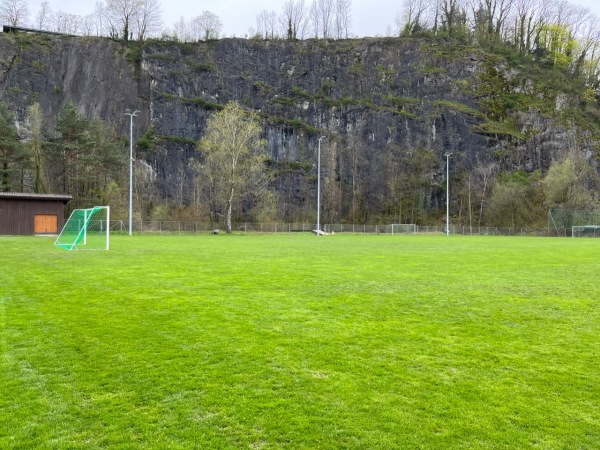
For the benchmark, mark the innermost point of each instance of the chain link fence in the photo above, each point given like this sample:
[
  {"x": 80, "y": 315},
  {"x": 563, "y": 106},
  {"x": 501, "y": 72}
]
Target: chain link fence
[{"x": 187, "y": 227}]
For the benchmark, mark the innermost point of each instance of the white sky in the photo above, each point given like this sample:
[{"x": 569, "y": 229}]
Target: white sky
[{"x": 369, "y": 17}]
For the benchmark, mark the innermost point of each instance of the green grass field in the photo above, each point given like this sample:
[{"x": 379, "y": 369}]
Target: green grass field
[{"x": 301, "y": 342}]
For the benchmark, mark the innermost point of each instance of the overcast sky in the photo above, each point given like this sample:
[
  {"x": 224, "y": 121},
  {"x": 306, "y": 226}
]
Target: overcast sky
[{"x": 369, "y": 17}]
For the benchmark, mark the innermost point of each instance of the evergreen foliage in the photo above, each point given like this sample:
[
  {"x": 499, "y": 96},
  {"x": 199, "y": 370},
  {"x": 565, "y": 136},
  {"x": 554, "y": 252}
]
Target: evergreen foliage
[
  {"x": 12, "y": 155},
  {"x": 84, "y": 157}
]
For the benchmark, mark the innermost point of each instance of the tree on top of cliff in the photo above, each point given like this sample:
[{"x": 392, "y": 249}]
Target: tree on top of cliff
[
  {"x": 206, "y": 26},
  {"x": 14, "y": 12},
  {"x": 209, "y": 25},
  {"x": 122, "y": 16},
  {"x": 148, "y": 19}
]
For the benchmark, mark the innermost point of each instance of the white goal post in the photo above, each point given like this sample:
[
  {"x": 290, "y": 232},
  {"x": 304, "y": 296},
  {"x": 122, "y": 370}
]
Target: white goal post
[
  {"x": 86, "y": 229},
  {"x": 585, "y": 231},
  {"x": 401, "y": 228}
]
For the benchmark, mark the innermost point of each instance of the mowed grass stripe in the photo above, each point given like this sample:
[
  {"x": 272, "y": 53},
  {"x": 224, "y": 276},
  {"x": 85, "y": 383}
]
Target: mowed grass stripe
[{"x": 300, "y": 342}]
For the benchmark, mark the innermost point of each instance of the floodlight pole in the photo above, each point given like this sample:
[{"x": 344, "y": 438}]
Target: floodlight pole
[
  {"x": 131, "y": 116},
  {"x": 319, "y": 187},
  {"x": 448, "y": 193}
]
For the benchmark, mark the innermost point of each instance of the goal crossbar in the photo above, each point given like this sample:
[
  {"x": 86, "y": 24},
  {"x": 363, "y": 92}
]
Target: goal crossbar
[
  {"x": 585, "y": 231},
  {"x": 401, "y": 228}
]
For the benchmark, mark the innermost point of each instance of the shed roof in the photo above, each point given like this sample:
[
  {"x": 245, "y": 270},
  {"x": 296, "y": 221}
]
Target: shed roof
[{"x": 32, "y": 196}]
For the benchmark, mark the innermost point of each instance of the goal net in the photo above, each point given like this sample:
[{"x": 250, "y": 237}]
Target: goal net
[
  {"x": 86, "y": 229},
  {"x": 401, "y": 228},
  {"x": 586, "y": 231}
]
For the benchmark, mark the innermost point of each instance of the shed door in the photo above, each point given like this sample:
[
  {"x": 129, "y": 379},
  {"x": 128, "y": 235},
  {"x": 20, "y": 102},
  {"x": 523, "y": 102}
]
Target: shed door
[{"x": 45, "y": 223}]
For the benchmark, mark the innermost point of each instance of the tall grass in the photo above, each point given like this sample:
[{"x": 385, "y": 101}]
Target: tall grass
[{"x": 300, "y": 342}]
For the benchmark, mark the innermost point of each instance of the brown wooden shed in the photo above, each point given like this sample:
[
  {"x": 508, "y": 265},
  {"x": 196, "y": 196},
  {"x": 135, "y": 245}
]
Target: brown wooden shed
[{"x": 30, "y": 214}]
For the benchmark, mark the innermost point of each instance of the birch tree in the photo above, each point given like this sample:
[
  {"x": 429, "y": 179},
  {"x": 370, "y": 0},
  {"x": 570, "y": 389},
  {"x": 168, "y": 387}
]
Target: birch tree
[{"x": 234, "y": 161}]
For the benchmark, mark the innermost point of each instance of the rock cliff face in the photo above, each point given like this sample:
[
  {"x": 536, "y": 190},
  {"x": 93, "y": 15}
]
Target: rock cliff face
[
  {"x": 389, "y": 109},
  {"x": 55, "y": 70}
]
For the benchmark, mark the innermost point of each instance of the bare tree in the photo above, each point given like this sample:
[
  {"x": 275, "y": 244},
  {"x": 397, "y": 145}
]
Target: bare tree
[
  {"x": 343, "y": 18},
  {"x": 182, "y": 32},
  {"x": 490, "y": 16},
  {"x": 526, "y": 22},
  {"x": 149, "y": 19},
  {"x": 67, "y": 23},
  {"x": 42, "y": 18},
  {"x": 260, "y": 24},
  {"x": 579, "y": 19},
  {"x": 587, "y": 32},
  {"x": 14, "y": 12},
  {"x": 88, "y": 25},
  {"x": 122, "y": 17},
  {"x": 209, "y": 25},
  {"x": 487, "y": 174},
  {"x": 98, "y": 20},
  {"x": 453, "y": 17},
  {"x": 322, "y": 14},
  {"x": 413, "y": 16},
  {"x": 266, "y": 24},
  {"x": 294, "y": 19}
]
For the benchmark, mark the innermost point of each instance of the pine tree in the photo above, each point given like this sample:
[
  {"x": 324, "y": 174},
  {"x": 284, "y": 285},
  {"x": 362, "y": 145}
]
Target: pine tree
[{"x": 12, "y": 153}]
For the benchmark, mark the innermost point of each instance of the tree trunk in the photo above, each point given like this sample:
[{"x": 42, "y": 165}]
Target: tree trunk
[{"x": 229, "y": 209}]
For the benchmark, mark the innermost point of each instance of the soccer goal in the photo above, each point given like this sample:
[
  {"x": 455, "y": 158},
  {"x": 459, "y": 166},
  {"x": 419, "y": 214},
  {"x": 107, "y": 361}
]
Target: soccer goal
[
  {"x": 585, "y": 231},
  {"x": 401, "y": 228},
  {"x": 579, "y": 222},
  {"x": 86, "y": 229}
]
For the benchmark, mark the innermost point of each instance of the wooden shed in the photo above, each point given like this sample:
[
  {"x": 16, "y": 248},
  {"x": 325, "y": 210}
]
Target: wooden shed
[{"x": 30, "y": 214}]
